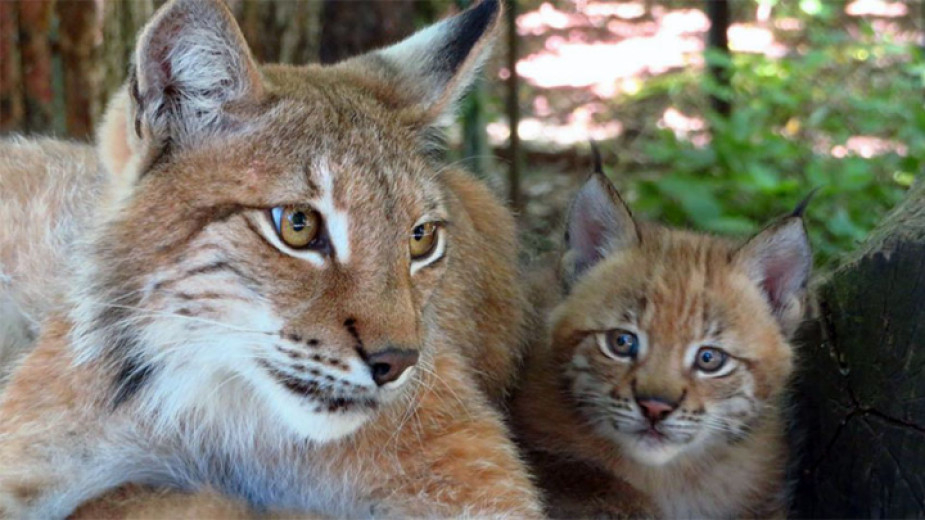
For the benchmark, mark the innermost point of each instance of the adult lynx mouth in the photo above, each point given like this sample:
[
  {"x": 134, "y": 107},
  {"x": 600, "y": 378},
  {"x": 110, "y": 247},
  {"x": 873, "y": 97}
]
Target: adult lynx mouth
[{"x": 324, "y": 396}]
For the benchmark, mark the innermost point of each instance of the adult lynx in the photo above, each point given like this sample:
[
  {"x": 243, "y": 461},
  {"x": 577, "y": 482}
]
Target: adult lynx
[
  {"x": 278, "y": 302},
  {"x": 660, "y": 386}
]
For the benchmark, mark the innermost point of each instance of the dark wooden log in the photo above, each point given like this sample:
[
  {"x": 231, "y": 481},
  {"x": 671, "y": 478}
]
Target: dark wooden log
[
  {"x": 12, "y": 109},
  {"x": 79, "y": 45},
  {"x": 861, "y": 394}
]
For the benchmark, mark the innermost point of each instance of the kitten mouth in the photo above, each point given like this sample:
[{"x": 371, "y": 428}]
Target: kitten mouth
[
  {"x": 322, "y": 397},
  {"x": 652, "y": 434}
]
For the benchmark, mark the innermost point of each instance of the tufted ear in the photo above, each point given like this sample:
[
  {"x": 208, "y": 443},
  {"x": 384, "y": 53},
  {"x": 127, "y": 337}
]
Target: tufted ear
[
  {"x": 428, "y": 72},
  {"x": 191, "y": 64},
  {"x": 599, "y": 223},
  {"x": 779, "y": 261}
]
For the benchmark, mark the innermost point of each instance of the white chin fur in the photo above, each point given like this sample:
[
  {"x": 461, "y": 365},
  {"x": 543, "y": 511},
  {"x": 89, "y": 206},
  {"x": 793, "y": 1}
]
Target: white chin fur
[
  {"x": 299, "y": 415},
  {"x": 652, "y": 452}
]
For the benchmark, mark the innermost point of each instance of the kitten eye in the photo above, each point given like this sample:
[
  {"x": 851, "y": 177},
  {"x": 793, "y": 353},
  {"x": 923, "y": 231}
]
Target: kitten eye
[
  {"x": 622, "y": 344},
  {"x": 710, "y": 359},
  {"x": 297, "y": 226},
  {"x": 423, "y": 240}
]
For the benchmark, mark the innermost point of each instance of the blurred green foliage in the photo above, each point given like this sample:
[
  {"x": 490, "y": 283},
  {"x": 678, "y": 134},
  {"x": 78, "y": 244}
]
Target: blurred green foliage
[{"x": 788, "y": 114}]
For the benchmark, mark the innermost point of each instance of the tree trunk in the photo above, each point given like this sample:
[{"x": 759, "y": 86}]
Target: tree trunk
[
  {"x": 513, "y": 109},
  {"x": 12, "y": 109},
  {"x": 349, "y": 28},
  {"x": 79, "y": 37},
  {"x": 718, "y": 42},
  {"x": 282, "y": 32},
  {"x": 35, "y": 47},
  {"x": 122, "y": 19},
  {"x": 861, "y": 394}
]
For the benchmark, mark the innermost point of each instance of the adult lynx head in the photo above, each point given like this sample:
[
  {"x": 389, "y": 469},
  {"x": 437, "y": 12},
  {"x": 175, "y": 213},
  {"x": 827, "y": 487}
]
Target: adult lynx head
[
  {"x": 283, "y": 234},
  {"x": 673, "y": 343}
]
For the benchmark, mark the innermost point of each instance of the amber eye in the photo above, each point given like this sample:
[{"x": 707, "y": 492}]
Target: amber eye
[
  {"x": 622, "y": 344},
  {"x": 297, "y": 226},
  {"x": 710, "y": 359},
  {"x": 423, "y": 240}
]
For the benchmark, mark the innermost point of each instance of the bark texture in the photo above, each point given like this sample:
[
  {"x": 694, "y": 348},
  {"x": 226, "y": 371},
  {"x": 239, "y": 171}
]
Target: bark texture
[
  {"x": 861, "y": 395},
  {"x": 121, "y": 23},
  {"x": 35, "y": 19},
  {"x": 79, "y": 42},
  {"x": 281, "y": 32},
  {"x": 12, "y": 110}
]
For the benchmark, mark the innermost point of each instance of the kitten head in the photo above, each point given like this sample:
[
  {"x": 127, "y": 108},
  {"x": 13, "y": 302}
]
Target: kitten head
[
  {"x": 282, "y": 231},
  {"x": 672, "y": 343}
]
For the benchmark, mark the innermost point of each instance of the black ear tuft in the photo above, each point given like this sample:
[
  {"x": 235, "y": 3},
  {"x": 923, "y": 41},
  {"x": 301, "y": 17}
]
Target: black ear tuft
[
  {"x": 598, "y": 164},
  {"x": 801, "y": 207},
  {"x": 779, "y": 261},
  {"x": 468, "y": 28},
  {"x": 599, "y": 223},
  {"x": 427, "y": 73}
]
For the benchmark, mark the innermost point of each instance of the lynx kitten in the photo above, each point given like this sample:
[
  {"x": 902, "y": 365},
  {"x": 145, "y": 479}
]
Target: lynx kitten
[{"x": 659, "y": 388}]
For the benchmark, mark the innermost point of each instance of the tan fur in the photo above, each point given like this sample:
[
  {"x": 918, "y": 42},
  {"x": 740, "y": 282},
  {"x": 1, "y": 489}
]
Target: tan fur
[
  {"x": 437, "y": 447},
  {"x": 681, "y": 288},
  {"x": 45, "y": 185}
]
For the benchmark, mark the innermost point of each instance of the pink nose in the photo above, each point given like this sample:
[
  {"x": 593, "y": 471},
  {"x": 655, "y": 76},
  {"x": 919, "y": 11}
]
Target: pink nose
[{"x": 655, "y": 409}]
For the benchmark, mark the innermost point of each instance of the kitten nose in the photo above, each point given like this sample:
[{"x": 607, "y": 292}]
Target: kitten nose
[
  {"x": 655, "y": 409},
  {"x": 387, "y": 366}
]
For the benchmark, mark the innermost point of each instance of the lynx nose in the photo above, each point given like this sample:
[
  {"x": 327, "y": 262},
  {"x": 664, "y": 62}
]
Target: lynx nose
[
  {"x": 655, "y": 409},
  {"x": 389, "y": 365}
]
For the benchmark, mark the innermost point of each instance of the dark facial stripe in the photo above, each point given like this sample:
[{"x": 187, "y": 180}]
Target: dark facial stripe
[
  {"x": 133, "y": 374},
  {"x": 213, "y": 267}
]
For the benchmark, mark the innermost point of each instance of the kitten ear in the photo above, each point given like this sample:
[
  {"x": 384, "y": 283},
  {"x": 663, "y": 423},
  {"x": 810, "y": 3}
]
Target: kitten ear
[
  {"x": 779, "y": 261},
  {"x": 191, "y": 62},
  {"x": 428, "y": 72},
  {"x": 599, "y": 223}
]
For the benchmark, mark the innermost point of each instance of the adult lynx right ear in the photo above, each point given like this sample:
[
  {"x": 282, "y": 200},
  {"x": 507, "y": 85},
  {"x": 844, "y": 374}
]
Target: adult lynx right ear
[{"x": 599, "y": 223}]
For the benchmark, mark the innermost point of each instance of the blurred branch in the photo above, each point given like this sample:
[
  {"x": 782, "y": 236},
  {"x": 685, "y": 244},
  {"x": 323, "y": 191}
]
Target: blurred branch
[
  {"x": 718, "y": 41},
  {"x": 513, "y": 108}
]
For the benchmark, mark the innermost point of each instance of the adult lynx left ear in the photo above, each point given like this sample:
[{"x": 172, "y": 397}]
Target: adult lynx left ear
[
  {"x": 427, "y": 73},
  {"x": 779, "y": 261}
]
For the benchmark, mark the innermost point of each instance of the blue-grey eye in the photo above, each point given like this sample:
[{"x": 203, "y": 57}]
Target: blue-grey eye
[
  {"x": 710, "y": 359},
  {"x": 623, "y": 343}
]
